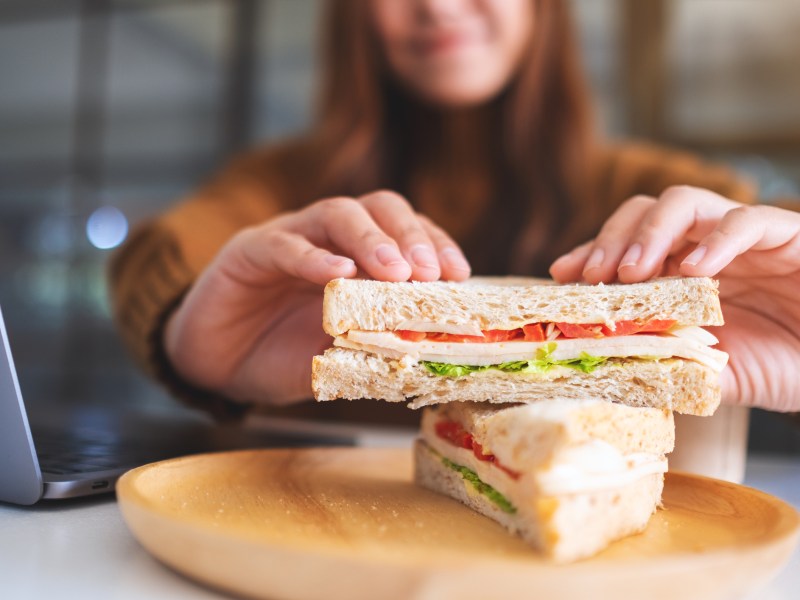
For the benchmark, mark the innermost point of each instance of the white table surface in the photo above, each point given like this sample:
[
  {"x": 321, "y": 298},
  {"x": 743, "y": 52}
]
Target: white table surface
[{"x": 81, "y": 549}]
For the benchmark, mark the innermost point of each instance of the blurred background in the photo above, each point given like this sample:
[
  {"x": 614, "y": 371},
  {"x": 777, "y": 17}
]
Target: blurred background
[{"x": 112, "y": 109}]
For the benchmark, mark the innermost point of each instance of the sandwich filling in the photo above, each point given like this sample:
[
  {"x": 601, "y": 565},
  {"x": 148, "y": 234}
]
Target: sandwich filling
[
  {"x": 587, "y": 467},
  {"x": 538, "y": 347}
]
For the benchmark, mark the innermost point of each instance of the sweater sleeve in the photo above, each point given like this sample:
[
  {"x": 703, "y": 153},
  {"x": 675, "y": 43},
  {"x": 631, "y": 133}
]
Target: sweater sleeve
[
  {"x": 627, "y": 170},
  {"x": 155, "y": 268}
]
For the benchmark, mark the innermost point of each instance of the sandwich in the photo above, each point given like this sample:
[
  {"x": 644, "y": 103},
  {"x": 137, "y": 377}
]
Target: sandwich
[
  {"x": 522, "y": 340},
  {"x": 569, "y": 476}
]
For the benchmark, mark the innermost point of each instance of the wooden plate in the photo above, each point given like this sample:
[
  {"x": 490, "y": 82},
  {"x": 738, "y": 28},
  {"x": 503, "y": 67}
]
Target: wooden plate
[{"x": 348, "y": 524}]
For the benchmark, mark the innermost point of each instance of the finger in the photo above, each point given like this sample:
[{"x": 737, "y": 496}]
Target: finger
[
  {"x": 345, "y": 224},
  {"x": 570, "y": 266},
  {"x": 612, "y": 241},
  {"x": 681, "y": 214},
  {"x": 452, "y": 261},
  {"x": 398, "y": 219},
  {"x": 293, "y": 254},
  {"x": 746, "y": 228}
]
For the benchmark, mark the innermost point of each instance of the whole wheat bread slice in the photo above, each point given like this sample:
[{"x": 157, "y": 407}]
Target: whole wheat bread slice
[
  {"x": 498, "y": 303},
  {"x": 672, "y": 384}
]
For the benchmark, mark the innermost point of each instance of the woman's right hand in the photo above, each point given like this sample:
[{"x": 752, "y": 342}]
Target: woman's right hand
[{"x": 251, "y": 323}]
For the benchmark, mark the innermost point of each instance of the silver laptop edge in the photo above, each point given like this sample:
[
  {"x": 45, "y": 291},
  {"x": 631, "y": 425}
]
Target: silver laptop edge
[{"x": 20, "y": 477}]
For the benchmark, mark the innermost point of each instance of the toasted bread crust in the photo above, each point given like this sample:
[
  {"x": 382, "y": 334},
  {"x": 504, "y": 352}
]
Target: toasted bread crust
[
  {"x": 673, "y": 384},
  {"x": 526, "y": 435},
  {"x": 495, "y": 303}
]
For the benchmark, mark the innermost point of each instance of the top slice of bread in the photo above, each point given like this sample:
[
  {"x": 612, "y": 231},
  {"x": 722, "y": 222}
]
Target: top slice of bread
[
  {"x": 527, "y": 436},
  {"x": 498, "y": 303}
]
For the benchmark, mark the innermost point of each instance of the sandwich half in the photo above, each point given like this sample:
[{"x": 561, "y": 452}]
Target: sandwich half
[
  {"x": 522, "y": 340},
  {"x": 569, "y": 476}
]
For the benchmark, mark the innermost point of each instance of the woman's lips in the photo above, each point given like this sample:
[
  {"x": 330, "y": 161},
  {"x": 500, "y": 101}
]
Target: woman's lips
[{"x": 447, "y": 42}]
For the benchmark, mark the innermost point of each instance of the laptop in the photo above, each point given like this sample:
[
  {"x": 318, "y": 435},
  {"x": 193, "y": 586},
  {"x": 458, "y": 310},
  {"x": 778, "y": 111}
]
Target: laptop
[{"x": 58, "y": 451}]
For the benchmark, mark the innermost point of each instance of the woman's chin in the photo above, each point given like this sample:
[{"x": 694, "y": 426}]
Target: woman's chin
[{"x": 446, "y": 94}]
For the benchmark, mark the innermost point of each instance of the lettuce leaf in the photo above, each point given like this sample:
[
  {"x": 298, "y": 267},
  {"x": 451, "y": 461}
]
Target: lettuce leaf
[
  {"x": 542, "y": 363},
  {"x": 481, "y": 487},
  {"x": 447, "y": 370}
]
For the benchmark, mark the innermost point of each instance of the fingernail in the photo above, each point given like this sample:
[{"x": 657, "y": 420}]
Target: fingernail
[
  {"x": 595, "y": 259},
  {"x": 454, "y": 259},
  {"x": 338, "y": 261},
  {"x": 389, "y": 256},
  {"x": 423, "y": 256},
  {"x": 696, "y": 256},
  {"x": 632, "y": 256}
]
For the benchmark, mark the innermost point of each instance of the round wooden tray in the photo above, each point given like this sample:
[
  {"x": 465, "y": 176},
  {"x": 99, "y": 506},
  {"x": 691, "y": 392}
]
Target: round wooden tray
[{"x": 348, "y": 524}]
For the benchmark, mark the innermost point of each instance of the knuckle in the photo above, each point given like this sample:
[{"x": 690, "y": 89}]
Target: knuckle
[
  {"x": 386, "y": 197},
  {"x": 246, "y": 234},
  {"x": 747, "y": 212},
  {"x": 440, "y": 238},
  {"x": 610, "y": 244},
  {"x": 431, "y": 228},
  {"x": 276, "y": 239},
  {"x": 609, "y": 235},
  {"x": 718, "y": 236},
  {"x": 738, "y": 218},
  {"x": 412, "y": 232},
  {"x": 678, "y": 194},
  {"x": 425, "y": 221},
  {"x": 649, "y": 230},
  {"x": 604, "y": 238},
  {"x": 390, "y": 196},
  {"x": 338, "y": 204},
  {"x": 312, "y": 253},
  {"x": 638, "y": 201},
  {"x": 372, "y": 237}
]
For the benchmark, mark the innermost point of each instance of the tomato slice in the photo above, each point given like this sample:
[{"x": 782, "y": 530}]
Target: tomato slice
[
  {"x": 454, "y": 433},
  {"x": 489, "y": 335},
  {"x": 533, "y": 332},
  {"x": 633, "y": 327},
  {"x": 622, "y": 328},
  {"x": 511, "y": 473},
  {"x": 501, "y": 335},
  {"x": 477, "y": 450},
  {"x": 411, "y": 336},
  {"x": 573, "y": 330},
  {"x": 655, "y": 325},
  {"x": 455, "y": 338}
]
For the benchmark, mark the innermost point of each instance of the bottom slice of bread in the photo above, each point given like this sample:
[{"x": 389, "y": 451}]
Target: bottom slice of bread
[
  {"x": 672, "y": 384},
  {"x": 564, "y": 528}
]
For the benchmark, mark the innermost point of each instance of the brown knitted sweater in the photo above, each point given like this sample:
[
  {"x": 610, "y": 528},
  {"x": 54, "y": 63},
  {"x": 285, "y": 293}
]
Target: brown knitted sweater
[{"x": 163, "y": 256}]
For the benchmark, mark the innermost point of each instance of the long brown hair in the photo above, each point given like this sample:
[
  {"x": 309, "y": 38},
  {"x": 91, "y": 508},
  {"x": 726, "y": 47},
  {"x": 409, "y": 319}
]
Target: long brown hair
[{"x": 541, "y": 147}]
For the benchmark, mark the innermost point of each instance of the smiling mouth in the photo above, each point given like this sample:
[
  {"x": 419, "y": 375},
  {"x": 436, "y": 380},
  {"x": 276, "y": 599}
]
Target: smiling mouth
[{"x": 446, "y": 43}]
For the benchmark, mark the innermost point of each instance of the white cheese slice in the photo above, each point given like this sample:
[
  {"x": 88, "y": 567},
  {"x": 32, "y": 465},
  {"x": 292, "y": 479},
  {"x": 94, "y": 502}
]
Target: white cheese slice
[
  {"x": 481, "y": 354},
  {"x": 456, "y": 328},
  {"x": 698, "y": 334},
  {"x": 596, "y": 465}
]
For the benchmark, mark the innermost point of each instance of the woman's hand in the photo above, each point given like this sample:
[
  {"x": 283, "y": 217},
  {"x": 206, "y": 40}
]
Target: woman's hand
[
  {"x": 754, "y": 251},
  {"x": 252, "y": 321}
]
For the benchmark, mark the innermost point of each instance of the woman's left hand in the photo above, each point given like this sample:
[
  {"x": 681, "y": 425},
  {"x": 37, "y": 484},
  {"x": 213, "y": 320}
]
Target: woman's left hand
[{"x": 754, "y": 251}]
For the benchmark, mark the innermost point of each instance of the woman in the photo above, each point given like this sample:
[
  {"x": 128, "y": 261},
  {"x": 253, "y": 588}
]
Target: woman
[{"x": 475, "y": 115}]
